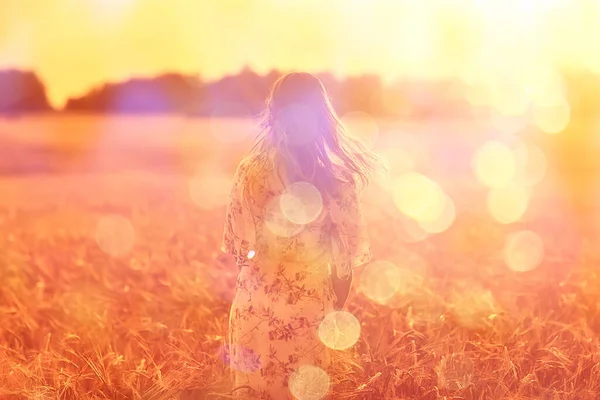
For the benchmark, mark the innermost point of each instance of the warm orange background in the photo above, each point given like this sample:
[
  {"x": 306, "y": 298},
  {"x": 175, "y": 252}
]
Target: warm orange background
[{"x": 77, "y": 44}]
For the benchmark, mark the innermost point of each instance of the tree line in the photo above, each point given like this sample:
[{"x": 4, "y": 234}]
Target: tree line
[
  {"x": 244, "y": 94},
  {"x": 241, "y": 94}
]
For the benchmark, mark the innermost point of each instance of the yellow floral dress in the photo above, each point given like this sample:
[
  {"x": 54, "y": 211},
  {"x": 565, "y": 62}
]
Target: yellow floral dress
[{"x": 285, "y": 239}]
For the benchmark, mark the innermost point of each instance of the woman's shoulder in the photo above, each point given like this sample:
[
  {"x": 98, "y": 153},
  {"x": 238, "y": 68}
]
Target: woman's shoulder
[
  {"x": 250, "y": 167},
  {"x": 250, "y": 160}
]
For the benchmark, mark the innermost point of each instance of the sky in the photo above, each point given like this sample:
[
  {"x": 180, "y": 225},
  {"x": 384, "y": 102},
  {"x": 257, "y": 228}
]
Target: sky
[{"x": 75, "y": 45}]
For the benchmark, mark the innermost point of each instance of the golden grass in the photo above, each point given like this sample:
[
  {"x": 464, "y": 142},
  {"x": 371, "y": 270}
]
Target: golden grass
[{"x": 76, "y": 323}]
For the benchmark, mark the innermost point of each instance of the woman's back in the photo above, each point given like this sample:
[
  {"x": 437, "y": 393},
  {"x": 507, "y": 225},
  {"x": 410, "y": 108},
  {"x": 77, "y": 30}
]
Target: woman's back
[{"x": 293, "y": 221}]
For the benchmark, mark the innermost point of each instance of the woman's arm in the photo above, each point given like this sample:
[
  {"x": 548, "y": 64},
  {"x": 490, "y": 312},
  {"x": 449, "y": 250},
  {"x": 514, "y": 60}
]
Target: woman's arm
[{"x": 341, "y": 288}]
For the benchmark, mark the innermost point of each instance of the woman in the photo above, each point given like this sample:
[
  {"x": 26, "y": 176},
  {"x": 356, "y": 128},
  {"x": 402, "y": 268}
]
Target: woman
[{"x": 294, "y": 225}]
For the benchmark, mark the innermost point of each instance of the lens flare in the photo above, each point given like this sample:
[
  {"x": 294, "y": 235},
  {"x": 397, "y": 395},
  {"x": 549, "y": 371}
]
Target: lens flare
[
  {"x": 510, "y": 98},
  {"x": 524, "y": 251},
  {"x": 115, "y": 235},
  {"x": 380, "y": 281},
  {"x": 545, "y": 85},
  {"x": 552, "y": 118},
  {"x": 494, "y": 164},
  {"x": 413, "y": 269},
  {"x": 110, "y": 12},
  {"x": 403, "y": 151},
  {"x": 339, "y": 330},
  {"x": 309, "y": 382},
  {"x": 408, "y": 230},
  {"x": 476, "y": 95},
  {"x": 531, "y": 164},
  {"x": 444, "y": 220},
  {"x": 417, "y": 196},
  {"x": 509, "y": 124},
  {"x": 399, "y": 160},
  {"x": 406, "y": 272},
  {"x": 301, "y": 203},
  {"x": 277, "y": 223},
  {"x": 434, "y": 212},
  {"x": 508, "y": 204}
]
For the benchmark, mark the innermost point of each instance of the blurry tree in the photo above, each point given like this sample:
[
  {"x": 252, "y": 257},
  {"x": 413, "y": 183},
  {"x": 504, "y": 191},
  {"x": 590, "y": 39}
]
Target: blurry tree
[{"x": 22, "y": 91}]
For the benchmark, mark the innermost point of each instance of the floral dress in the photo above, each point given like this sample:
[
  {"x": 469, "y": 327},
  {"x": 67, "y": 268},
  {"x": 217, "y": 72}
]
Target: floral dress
[{"x": 285, "y": 240}]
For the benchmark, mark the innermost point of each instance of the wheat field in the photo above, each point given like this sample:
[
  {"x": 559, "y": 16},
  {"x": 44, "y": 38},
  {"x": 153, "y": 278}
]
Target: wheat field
[{"x": 113, "y": 286}]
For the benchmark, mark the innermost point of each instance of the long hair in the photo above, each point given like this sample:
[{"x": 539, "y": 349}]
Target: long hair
[{"x": 301, "y": 129}]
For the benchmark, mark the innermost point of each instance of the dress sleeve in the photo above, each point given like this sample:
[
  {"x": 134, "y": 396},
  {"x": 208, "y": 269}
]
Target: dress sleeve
[
  {"x": 238, "y": 232},
  {"x": 349, "y": 240}
]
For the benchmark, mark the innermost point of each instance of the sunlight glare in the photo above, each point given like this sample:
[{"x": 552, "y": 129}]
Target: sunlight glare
[
  {"x": 418, "y": 196},
  {"x": 408, "y": 230},
  {"x": 399, "y": 159},
  {"x": 494, "y": 164},
  {"x": 509, "y": 124},
  {"x": 301, "y": 203},
  {"x": 476, "y": 96},
  {"x": 16, "y": 47},
  {"x": 443, "y": 221},
  {"x": 339, "y": 330},
  {"x": 508, "y": 204},
  {"x": 594, "y": 62},
  {"x": 413, "y": 269},
  {"x": 434, "y": 213},
  {"x": 524, "y": 251},
  {"x": 552, "y": 118},
  {"x": 309, "y": 382},
  {"x": 509, "y": 97},
  {"x": 544, "y": 85},
  {"x": 380, "y": 280},
  {"x": 277, "y": 223},
  {"x": 531, "y": 164},
  {"x": 410, "y": 268},
  {"x": 404, "y": 151},
  {"x": 110, "y": 12}
]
